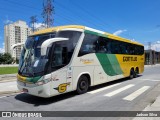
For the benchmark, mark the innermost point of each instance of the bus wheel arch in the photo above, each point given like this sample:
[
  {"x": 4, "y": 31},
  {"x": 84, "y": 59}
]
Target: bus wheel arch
[{"x": 83, "y": 83}]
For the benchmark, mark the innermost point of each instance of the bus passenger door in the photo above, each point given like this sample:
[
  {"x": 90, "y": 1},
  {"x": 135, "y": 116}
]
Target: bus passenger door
[
  {"x": 59, "y": 83},
  {"x": 62, "y": 81},
  {"x": 69, "y": 78}
]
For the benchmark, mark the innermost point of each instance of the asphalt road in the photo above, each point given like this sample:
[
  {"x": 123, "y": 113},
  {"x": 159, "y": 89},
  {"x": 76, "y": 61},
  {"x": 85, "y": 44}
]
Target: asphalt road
[{"x": 120, "y": 95}]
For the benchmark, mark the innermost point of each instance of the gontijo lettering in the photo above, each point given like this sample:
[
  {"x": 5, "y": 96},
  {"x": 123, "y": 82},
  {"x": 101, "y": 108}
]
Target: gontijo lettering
[{"x": 128, "y": 58}]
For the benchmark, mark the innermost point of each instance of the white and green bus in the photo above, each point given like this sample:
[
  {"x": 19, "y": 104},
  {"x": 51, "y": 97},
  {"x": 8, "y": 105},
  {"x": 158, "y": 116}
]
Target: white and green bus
[{"x": 67, "y": 58}]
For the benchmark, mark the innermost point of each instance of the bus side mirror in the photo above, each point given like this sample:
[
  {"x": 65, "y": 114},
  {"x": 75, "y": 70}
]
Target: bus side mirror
[{"x": 47, "y": 42}]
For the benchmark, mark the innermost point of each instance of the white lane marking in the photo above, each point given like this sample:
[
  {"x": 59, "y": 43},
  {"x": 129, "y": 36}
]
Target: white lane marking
[
  {"x": 136, "y": 93},
  {"x": 104, "y": 88},
  {"x": 3, "y": 96},
  {"x": 150, "y": 80},
  {"x": 119, "y": 90}
]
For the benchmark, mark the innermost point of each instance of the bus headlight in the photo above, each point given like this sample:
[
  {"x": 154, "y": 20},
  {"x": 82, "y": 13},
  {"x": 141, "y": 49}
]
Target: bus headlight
[{"x": 42, "y": 82}]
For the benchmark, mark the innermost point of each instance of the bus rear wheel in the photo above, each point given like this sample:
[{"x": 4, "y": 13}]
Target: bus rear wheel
[
  {"x": 131, "y": 74},
  {"x": 136, "y": 73},
  {"x": 83, "y": 84}
]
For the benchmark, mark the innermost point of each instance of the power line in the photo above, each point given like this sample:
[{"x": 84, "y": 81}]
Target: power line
[
  {"x": 94, "y": 16},
  {"x": 77, "y": 14},
  {"x": 90, "y": 14},
  {"x": 67, "y": 18},
  {"x": 50, "y": 9}
]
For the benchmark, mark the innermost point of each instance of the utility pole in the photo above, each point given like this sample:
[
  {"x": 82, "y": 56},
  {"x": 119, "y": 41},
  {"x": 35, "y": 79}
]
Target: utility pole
[
  {"x": 33, "y": 21},
  {"x": 47, "y": 14}
]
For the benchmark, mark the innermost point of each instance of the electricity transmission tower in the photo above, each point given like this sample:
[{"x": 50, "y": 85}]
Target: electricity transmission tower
[
  {"x": 47, "y": 14},
  {"x": 33, "y": 21}
]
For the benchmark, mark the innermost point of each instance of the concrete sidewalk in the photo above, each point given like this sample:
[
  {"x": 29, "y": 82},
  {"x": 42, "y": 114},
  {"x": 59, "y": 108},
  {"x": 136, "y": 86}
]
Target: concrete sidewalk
[
  {"x": 8, "y": 88},
  {"x": 155, "y": 107},
  {"x": 8, "y": 84},
  {"x": 8, "y": 77}
]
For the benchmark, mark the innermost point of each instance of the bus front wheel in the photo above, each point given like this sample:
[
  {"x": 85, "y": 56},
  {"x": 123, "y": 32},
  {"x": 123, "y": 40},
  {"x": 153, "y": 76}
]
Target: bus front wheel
[{"x": 82, "y": 85}]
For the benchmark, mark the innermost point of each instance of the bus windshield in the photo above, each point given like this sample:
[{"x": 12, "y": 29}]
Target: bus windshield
[
  {"x": 58, "y": 54},
  {"x": 31, "y": 55}
]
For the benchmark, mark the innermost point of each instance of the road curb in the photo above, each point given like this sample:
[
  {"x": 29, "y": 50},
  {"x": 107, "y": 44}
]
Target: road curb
[
  {"x": 9, "y": 92},
  {"x": 9, "y": 75},
  {"x": 8, "y": 78},
  {"x": 3, "y": 81}
]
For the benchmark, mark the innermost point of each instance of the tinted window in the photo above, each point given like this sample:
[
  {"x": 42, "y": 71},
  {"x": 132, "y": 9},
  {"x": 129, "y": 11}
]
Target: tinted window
[
  {"x": 89, "y": 44},
  {"x": 102, "y": 46},
  {"x": 120, "y": 47},
  {"x": 98, "y": 44}
]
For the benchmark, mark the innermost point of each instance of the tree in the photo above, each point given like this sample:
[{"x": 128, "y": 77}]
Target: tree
[
  {"x": 6, "y": 58},
  {"x": 1, "y": 58}
]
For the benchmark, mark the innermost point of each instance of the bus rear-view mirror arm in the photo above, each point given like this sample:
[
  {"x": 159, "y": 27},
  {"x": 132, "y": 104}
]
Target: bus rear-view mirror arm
[{"x": 47, "y": 42}]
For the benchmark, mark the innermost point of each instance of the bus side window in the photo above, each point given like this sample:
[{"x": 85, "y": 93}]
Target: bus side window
[
  {"x": 102, "y": 45},
  {"x": 88, "y": 45},
  {"x": 114, "y": 47},
  {"x": 57, "y": 57},
  {"x": 132, "y": 49},
  {"x": 65, "y": 55},
  {"x": 109, "y": 47}
]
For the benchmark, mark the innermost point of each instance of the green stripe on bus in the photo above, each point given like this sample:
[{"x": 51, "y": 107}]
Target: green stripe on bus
[
  {"x": 109, "y": 64},
  {"x": 114, "y": 62},
  {"x": 95, "y": 33},
  {"x": 33, "y": 79}
]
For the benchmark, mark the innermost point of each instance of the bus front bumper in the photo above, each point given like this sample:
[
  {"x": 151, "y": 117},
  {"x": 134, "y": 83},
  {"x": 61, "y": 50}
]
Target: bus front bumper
[{"x": 40, "y": 91}]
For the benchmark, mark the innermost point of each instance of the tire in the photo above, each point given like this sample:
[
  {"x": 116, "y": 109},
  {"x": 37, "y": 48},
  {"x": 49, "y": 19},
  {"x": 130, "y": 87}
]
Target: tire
[
  {"x": 83, "y": 84},
  {"x": 131, "y": 74},
  {"x": 135, "y": 73}
]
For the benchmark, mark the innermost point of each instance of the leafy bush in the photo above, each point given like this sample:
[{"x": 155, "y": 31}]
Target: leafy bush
[{"x": 6, "y": 58}]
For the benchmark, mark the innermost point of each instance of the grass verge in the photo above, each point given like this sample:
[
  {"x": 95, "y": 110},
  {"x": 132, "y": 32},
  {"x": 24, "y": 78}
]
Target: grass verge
[{"x": 8, "y": 70}]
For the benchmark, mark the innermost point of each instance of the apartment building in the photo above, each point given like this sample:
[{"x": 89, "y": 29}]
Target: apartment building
[{"x": 14, "y": 33}]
